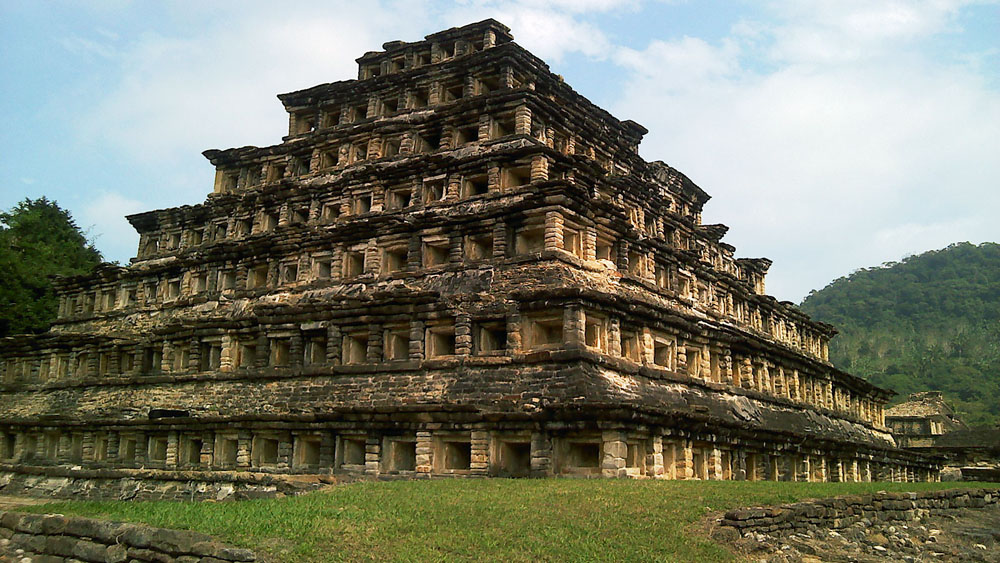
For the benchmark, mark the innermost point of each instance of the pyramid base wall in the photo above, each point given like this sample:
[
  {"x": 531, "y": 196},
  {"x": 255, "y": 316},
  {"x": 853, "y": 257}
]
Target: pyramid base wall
[
  {"x": 566, "y": 415},
  {"x": 436, "y": 444}
]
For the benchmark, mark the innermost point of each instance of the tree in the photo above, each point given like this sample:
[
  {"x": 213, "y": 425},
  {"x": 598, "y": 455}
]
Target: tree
[
  {"x": 928, "y": 322},
  {"x": 38, "y": 240}
]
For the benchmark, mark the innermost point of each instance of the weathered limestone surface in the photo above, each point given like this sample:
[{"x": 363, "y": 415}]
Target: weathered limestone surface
[
  {"x": 454, "y": 265},
  {"x": 955, "y": 525},
  {"x": 926, "y": 424},
  {"x": 55, "y": 538},
  {"x": 147, "y": 484},
  {"x": 842, "y": 512}
]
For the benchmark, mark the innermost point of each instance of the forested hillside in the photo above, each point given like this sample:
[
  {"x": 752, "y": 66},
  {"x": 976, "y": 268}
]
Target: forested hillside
[{"x": 930, "y": 322}]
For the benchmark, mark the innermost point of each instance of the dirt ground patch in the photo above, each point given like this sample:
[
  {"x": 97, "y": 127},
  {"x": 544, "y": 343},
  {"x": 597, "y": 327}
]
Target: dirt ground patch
[{"x": 8, "y": 502}]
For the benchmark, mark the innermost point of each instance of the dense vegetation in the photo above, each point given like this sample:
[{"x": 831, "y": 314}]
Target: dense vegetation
[
  {"x": 480, "y": 519},
  {"x": 930, "y": 322},
  {"x": 38, "y": 239}
]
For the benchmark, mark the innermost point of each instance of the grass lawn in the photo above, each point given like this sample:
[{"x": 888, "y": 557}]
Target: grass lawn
[{"x": 479, "y": 519}]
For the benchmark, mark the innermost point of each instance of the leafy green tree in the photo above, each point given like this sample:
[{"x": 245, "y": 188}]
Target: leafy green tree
[
  {"x": 38, "y": 239},
  {"x": 930, "y": 322}
]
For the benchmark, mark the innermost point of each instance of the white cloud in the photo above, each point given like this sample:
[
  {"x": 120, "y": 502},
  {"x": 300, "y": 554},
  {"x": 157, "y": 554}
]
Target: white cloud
[
  {"x": 897, "y": 239},
  {"x": 572, "y": 6},
  {"x": 168, "y": 95},
  {"x": 689, "y": 59},
  {"x": 89, "y": 48},
  {"x": 844, "y": 30},
  {"x": 103, "y": 219},
  {"x": 172, "y": 96},
  {"x": 549, "y": 29},
  {"x": 830, "y": 159},
  {"x": 825, "y": 164},
  {"x": 551, "y": 35},
  {"x": 217, "y": 88}
]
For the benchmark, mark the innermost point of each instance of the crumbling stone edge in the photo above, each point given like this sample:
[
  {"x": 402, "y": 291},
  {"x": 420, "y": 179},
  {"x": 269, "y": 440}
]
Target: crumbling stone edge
[
  {"x": 842, "y": 512},
  {"x": 53, "y": 538},
  {"x": 145, "y": 485}
]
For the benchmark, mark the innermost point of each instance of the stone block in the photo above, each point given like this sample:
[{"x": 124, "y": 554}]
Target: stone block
[
  {"x": 100, "y": 530},
  {"x": 117, "y": 553},
  {"x": 148, "y": 555},
  {"x": 89, "y": 551},
  {"x": 221, "y": 551},
  {"x": 745, "y": 514},
  {"x": 30, "y": 523},
  {"x": 139, "y": 537},
  {"x": 176, "y": 541},
  {"x": 36, "y": 543},
  {"x": 60, "y": 545},
  {"x": 53, "y": 524},
  {"x": 23, "y": 541}
]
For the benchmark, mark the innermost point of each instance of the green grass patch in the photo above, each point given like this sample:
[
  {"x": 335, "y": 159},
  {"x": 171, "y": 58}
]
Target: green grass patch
[{"x": 479, "y": 519}]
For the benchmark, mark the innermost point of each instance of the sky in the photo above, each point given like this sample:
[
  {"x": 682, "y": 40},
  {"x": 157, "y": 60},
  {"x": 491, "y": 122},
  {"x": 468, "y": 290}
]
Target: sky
[{"x": 832, "y": 134}]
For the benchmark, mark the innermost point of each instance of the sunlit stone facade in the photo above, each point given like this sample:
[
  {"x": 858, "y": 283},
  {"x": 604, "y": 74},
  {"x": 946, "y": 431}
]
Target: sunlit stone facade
[{"x": 453, "y": 265}]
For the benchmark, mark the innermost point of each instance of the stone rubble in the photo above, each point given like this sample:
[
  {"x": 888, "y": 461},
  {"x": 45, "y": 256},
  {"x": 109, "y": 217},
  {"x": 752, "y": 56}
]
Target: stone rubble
[{"x": 909, "y": 527}]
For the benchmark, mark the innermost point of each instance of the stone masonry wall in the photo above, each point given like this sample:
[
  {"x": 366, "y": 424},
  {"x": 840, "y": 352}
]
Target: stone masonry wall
[
  {"x": 51, "y": 538},
  {"x": 842, "y": 512},
  {"x": 146, "y": 485}
]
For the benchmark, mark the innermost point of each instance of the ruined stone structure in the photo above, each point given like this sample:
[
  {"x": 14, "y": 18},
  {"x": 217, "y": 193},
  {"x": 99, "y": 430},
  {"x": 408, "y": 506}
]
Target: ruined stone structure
[
  {"x": 925, "y": 415},
  {"x": 453, "y": 265},
  {"x": 926, "y": 424}
]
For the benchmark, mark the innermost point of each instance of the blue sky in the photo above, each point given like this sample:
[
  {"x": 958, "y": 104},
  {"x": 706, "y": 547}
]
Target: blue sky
[{"x": 833, "y": 135}]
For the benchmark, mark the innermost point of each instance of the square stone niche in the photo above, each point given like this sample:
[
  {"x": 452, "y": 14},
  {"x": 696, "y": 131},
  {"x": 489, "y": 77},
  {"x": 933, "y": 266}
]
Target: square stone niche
[
  {"x": 452, "y": 453},
  {"x": 399, "y": 455},
  {"x": 264, "y": 450},
  {"x": 579, "y": 456},
  {"x": 306, "y": 452},
  {"x": 226, "y": 450},
  {"x": 351, "y": 452},
  {"x": 511, "y": 456}
]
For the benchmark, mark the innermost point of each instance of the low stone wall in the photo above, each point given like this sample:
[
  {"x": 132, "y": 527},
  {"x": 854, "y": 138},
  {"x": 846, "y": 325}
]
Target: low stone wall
[
  {"x": 149, "y": 484},
  {"x": 842, "y": 512},
  {"x": 50, "y": 538}
]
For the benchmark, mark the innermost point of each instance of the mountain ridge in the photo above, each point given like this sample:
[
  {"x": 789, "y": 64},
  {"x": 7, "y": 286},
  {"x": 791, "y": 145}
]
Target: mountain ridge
[{"x": 930, "y": 322}]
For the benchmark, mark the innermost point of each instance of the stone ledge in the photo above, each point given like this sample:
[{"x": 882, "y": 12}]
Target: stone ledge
[
  {"x": 53, "y": 537},
  {"x": 151, "y": 487}
]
